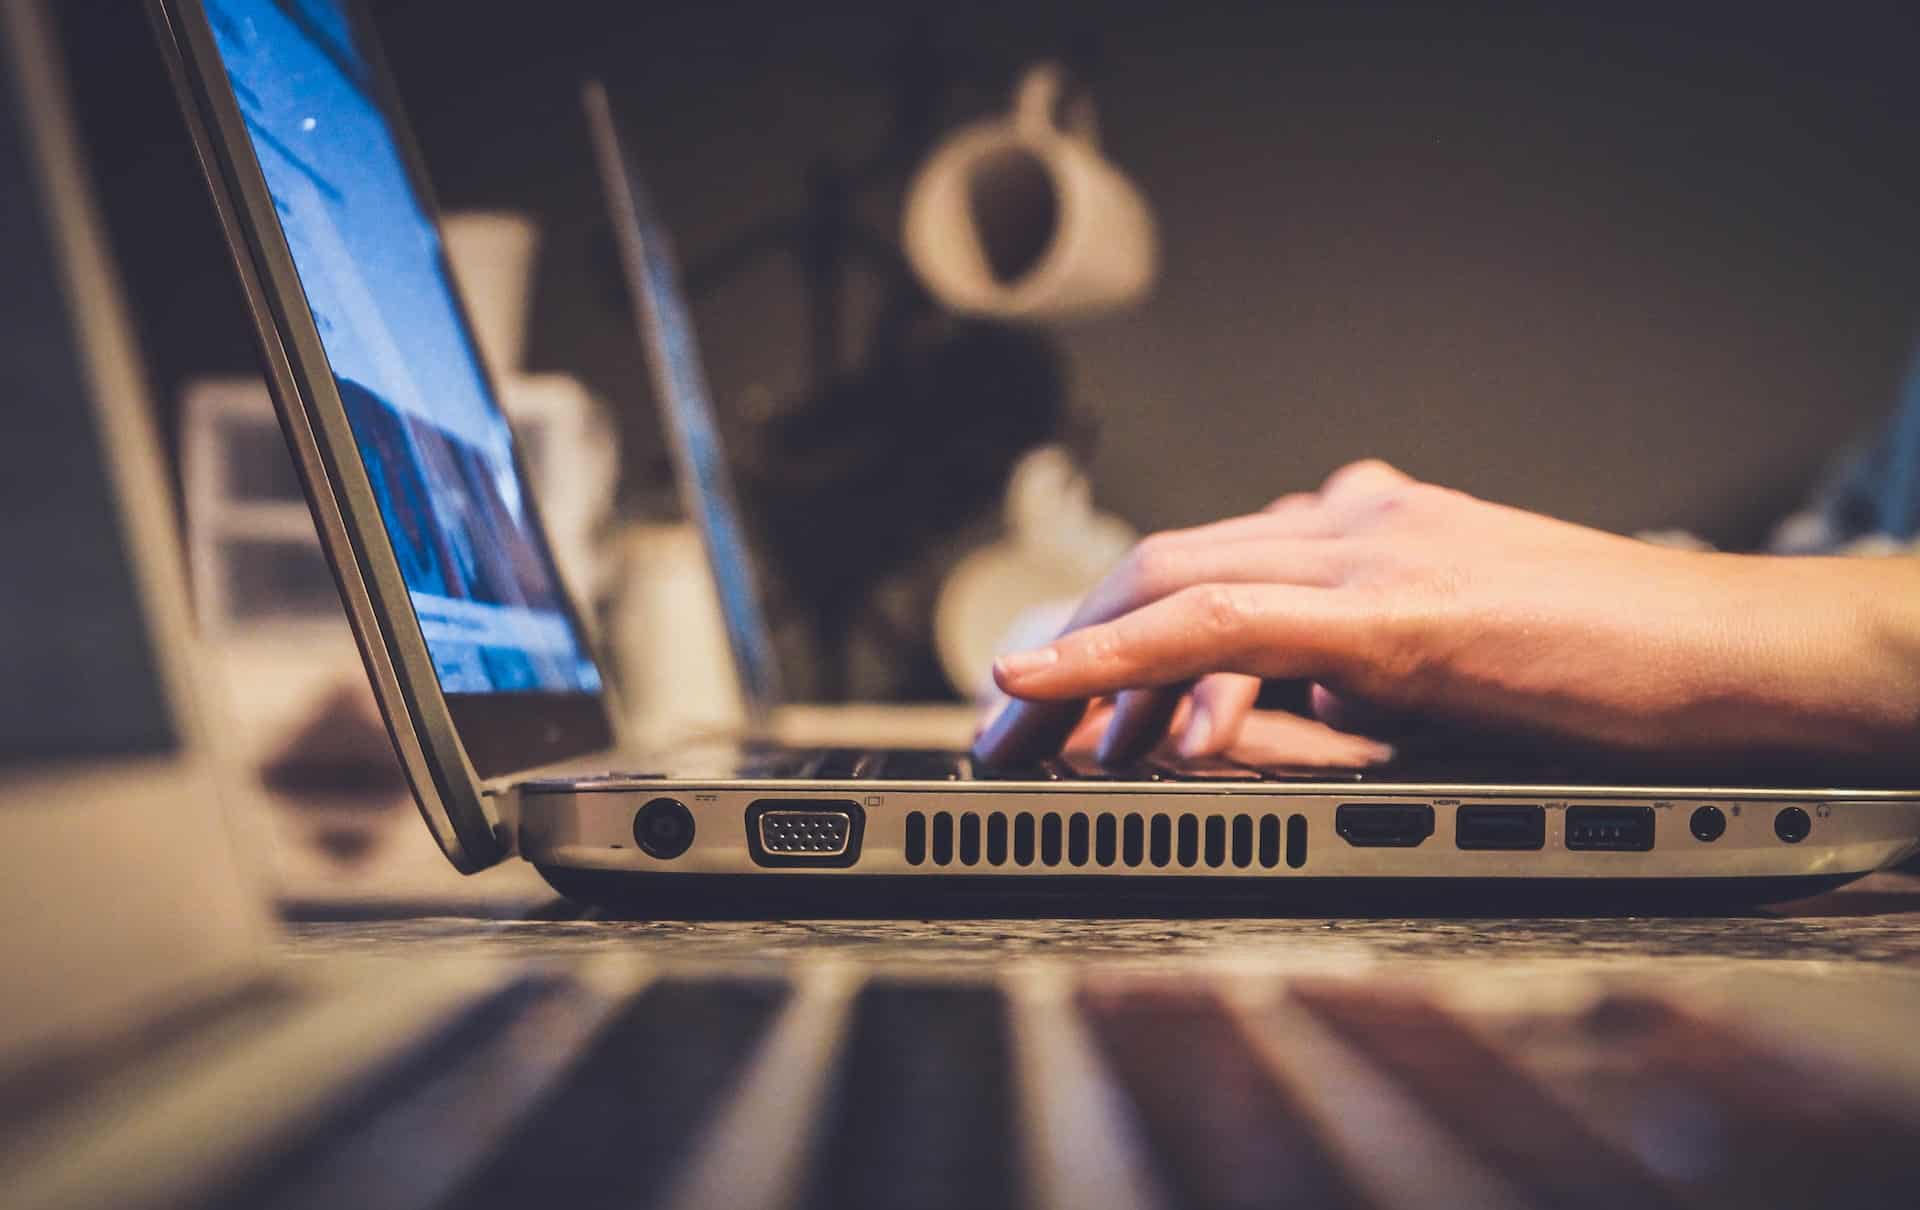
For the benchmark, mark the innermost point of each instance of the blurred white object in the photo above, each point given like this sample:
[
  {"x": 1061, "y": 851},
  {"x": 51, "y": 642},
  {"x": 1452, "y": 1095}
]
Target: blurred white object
[
  {"x": 493, "y": 255},
  {"x": 1020, "y": 591},
  {"x": 669, "y": 637},
  {"x": 256, "y": 561},
  {"x": 572, "y": 451},
  {"x": 1021, "y": 217}
]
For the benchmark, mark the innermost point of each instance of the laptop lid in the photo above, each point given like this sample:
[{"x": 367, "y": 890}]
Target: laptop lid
[
  {"x": 686, "y": 406},
  {"x": 476, "y": 653},
  {"x": 120, "y": 885}
]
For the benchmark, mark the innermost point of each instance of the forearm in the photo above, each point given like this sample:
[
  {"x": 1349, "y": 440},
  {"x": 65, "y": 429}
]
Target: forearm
[{"x": 1886, "y": 701}]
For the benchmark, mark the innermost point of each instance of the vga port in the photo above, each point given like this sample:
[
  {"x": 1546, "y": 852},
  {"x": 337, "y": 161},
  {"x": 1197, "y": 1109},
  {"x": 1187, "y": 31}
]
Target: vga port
[
  {"x": 802, "y": 832},
  {"x": 818, "y": 833}
]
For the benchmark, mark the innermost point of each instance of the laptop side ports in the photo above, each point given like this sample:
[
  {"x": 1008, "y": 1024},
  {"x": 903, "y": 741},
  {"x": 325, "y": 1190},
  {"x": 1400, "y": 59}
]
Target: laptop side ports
[
  {"x": 1500, "y": 826},
  {"x": 1383, "y": 825},
  {"x": 797, "y": 833},
  {"x": 1610, "y": 829}
]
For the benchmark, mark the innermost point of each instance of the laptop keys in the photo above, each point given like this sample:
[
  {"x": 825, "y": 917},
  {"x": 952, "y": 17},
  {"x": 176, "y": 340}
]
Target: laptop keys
[
  {"x": 1202, "y": 769},
  {"x": 778, "y": 764},
  {"x": 1080, "y": 767},
  {"x": 839, "y": 764},
  {"x": 1301, "y": 773},
  {"x": 1038, "y": 770},
  {"x": 907, "y": 764}
]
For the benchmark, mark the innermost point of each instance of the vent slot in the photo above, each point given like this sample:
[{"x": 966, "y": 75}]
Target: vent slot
[
  {"x": 1077, "y": 846},
  {"x": 996, "y": 839},
  {"x": 942, "y": 839},
  {"x": 1216, "y": 840},
  {"x": 1133, "y": 840},
  {"x": 1049, "y": 839},
  {"x": 1269, "y": 841},
  {"x": 1105, "y": 840},
  {"x": 1189, "y": 840},
  {"x": 1243, "y": 841},
  {"x": 916, "y": 838},
  {"x": 1296, "y": 841},
  {"x": 1023, "y": 839},
  {"x": 969, "y": 839},
  {"x": 1160, "y": 834}
]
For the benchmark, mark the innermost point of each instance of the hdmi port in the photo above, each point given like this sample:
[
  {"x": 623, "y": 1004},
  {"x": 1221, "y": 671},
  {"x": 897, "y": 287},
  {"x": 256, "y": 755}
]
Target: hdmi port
[{"x": 1382, "y": 825}]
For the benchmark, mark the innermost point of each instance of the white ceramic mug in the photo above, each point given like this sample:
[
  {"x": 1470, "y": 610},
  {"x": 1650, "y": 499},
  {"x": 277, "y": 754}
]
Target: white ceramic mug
[{"x": 1021, "y": 217}]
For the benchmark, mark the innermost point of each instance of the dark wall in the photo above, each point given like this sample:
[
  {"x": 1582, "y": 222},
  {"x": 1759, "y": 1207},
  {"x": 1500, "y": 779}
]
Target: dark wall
[{"x": 1638, "y": 265}]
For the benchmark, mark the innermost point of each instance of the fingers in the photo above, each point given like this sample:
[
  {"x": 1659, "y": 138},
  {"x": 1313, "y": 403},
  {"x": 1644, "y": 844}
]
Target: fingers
[
  {"x": 1158, "y": 569},
  {"x": 1122, "y": 631},
  {"x": 1221, "y": 703},
  {"x": 1256, "y": 629},
  {"x": 1274, "y": 737},
  {"x": 1454, "y": 735},
  {"x": 1141, "y": 719},
  {"x": 1086, "y": 736},
  {"x": 1207, "y": 719},
  {"x": 1028, "y": 730},
  {"x": 1358, "y": 480},
  {"x": 1357, "y": 716}
]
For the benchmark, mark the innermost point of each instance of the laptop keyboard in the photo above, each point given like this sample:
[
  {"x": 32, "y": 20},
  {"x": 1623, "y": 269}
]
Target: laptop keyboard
[
  {"x": 919, "y": 764},
  {"x": 1430, "y": 767},
  {"x": 1040, "y": 1089}
]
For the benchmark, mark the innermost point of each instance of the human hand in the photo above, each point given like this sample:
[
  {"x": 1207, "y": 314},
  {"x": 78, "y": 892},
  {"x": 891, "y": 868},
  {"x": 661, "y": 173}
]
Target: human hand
[{"x": 1404, "y": 601}]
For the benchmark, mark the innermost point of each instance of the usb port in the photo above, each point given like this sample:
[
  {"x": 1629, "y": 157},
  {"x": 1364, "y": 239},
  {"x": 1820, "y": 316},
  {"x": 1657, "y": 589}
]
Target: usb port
[
  {"x": 1383, "y": 825},
  {"x": 1610, "y": 829},
  {"x": 1500, "y": 826}
]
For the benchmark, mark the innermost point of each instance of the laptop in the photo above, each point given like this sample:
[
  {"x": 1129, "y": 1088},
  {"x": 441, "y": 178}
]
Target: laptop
[{"x": 507, "y": 728}]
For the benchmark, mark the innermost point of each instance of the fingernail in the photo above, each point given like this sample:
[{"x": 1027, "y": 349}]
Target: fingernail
[
  {"x": 1199, "y": 731},
  {"x": 1377, "y": 753},
  {"x": 1019, "y": 664}
]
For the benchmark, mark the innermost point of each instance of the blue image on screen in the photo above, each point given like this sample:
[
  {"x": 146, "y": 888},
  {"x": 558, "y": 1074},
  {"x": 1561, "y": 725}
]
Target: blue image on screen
[{"x": 436, "y": 446}]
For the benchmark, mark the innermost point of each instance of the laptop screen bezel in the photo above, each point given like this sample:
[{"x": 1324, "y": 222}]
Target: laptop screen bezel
[{"x": 448, "y": 743}]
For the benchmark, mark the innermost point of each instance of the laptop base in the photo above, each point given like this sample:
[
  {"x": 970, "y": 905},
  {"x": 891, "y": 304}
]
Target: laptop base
[{"x": 1081, "y": 896}]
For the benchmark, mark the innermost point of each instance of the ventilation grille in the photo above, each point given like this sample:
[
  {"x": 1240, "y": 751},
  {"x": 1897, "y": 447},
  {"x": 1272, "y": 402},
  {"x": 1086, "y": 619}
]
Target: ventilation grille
[{"x": 1078, "y": 840}]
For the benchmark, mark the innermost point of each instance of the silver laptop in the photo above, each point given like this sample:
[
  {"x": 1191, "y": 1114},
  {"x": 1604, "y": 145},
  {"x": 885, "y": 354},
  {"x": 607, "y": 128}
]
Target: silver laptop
[{"x": 495, "y": 698}]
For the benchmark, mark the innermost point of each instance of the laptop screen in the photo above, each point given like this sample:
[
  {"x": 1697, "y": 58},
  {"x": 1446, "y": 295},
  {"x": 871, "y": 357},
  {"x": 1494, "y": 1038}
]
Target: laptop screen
[
  {"x": 687, "y": 409},
  {"x": 437, "y": 448}
]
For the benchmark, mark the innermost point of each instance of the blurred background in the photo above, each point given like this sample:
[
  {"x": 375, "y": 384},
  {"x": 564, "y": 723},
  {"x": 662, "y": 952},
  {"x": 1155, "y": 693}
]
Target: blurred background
[
  {"x": 1640, "y": 266},
  {"x": 1635, "y": 265}
]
